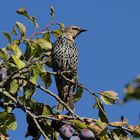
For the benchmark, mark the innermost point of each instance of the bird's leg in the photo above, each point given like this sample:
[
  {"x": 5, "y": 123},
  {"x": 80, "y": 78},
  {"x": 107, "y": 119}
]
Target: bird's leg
[{"x": 76, "y": 84}]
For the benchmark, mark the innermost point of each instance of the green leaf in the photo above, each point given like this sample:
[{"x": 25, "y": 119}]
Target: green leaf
[
  {"x": 44, "y": 44},
  {"x": 7, "y": 121},
  {"x": 13, "y": 86},
  {"x": 47, "y": 128},
  {"x": 3, "y": 54},
  {"x": 37, "y": 70},
  {"x": 79, "y": 124},
  {"x": 132, "y": 90},
  {"x": 62, "y": 26},
  {"x": 49, "y": 62},
  {"x": 52, "y": 10},
  {"x": 8, "y": 109},
  {"x": 15, "y": 48},
  {"x": 102, "y": 114},
  {"x": 46, "y": 78},
  {"x": 11, "y": 124},
  {"x": 47, "y": 110},
  {"x": 28, "y": 52},
  {"x": 12, "y": 67},
  {"x": 22, "y": 99},
  {"x": 29, "y": 90},
  {"x": 109, "y": 97},
  {"x": 42, "y": 109},
  {"x": 22, "y": 29},
  {"x": 3, "y": 131},
  {"x": 56, "y": 33},
  {"x": 20, "y": 64},
  {"x": 22, "y": 11},
  {"x": 32, "y": 50},
  {"x": 100, "y": 128},
  {"x": 104, "y": 137},
  {"x": 78, "y": 94},
  {"x": 46, "y": 36},
  {"x": 7, "y": 35},
  {"x": 38, "y": 107},
  {"x": 14, "y": 31},
  {"x": 34, "y": 21},
  {"x": 33, "y": 79},
  {"x": 137, "y": 79}
]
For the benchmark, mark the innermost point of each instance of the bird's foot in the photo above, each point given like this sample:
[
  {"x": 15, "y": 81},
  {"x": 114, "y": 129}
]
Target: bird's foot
[{"x": 58, "y": 72}]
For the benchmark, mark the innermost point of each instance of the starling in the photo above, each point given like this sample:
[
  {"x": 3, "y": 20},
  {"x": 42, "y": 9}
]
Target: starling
[{"x": 65, "y": 58}]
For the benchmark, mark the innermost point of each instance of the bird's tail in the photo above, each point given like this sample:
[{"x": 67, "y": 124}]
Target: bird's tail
[
  {"x": 68, "y": 99},
  {"x": 60, "y": 107}
]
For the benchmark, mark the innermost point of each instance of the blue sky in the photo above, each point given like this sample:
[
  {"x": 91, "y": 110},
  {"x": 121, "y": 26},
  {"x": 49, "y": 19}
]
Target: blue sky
[{"x": 108, "y": 52}]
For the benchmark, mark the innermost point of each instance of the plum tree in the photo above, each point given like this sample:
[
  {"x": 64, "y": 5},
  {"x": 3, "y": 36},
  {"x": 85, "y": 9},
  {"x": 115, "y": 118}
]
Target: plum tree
[{"x": 26, "y": 72}]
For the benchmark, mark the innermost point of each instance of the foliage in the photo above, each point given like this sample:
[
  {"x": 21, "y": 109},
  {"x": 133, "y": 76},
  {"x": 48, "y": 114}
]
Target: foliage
[
  {"x": 23, "y": 72},
  {"x": 132, "y": 90}
]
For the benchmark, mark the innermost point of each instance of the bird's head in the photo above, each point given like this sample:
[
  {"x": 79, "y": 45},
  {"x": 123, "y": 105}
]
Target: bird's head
[{"x": 73, "y": 31}]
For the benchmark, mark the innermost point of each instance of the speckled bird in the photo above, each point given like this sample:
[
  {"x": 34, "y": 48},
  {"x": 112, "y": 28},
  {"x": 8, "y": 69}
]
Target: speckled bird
[{"x": 65, "y": 58}]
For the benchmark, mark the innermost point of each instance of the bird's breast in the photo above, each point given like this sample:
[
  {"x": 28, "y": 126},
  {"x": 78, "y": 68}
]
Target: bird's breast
[{"x": 64, "y": 55}]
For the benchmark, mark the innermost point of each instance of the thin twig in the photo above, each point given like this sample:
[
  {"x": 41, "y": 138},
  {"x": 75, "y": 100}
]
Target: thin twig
[
  {"x": 4, "y": 104},
  {"x": 37, "y": 124},
  {"x": 52, "y": 118},
  {"x": 44, "y": 30}
]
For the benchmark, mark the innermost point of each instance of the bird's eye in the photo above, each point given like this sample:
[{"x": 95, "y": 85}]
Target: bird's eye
[{"x": 75, "y": 28}]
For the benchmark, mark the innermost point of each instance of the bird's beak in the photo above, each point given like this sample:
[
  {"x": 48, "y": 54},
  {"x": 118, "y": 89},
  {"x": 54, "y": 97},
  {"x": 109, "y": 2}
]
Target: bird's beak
[{"x": 82, "y": 30}]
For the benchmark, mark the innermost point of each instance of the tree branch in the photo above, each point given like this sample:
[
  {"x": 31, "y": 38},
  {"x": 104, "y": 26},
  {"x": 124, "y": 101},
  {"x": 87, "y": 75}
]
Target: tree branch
[
  {"x": 88, "y": 121},
  {"x": 44, "y": 30},
  {"x": 4, "y": 104},
  {"x": 55, "y": 96},
  {"x": 71, "y": 81},
  {"x": 5, "y": 93}
]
